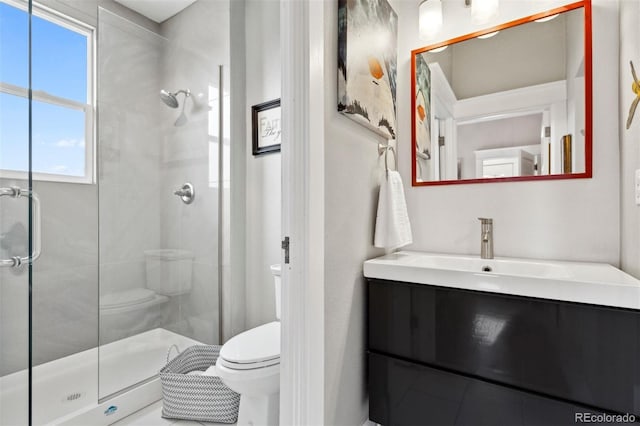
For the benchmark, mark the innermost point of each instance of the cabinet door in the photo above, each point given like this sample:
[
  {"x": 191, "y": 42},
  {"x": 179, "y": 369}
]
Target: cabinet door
[
  {"x": 406, "y": 393},
  {"x": 507, "y": 167},
  {"x": 581, "y": 353}
]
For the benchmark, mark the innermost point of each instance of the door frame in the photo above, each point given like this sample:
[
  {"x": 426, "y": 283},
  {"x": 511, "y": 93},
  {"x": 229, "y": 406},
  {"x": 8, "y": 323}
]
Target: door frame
[{"x": 302, "y": 358}]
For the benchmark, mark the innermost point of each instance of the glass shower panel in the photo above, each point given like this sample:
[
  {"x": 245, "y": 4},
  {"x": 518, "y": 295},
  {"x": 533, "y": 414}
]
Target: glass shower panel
[
  {"x": 191, "y": 156},
  {"x": 14, "y": 214},
  {"x": 65, "y": 276},
  {"x": 158, "y": 254},
  {"x": 158, "y": 258}
]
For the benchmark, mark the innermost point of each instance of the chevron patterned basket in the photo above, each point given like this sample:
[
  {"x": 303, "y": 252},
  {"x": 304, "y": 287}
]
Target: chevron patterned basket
[{"x": 196, "y": 397}]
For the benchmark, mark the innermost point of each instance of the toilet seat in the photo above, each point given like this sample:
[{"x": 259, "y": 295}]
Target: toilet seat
[
  {"x": 253, "y": 349},
  {"x": 135, "y": 299},
  {"x": 124, "y": 298}
]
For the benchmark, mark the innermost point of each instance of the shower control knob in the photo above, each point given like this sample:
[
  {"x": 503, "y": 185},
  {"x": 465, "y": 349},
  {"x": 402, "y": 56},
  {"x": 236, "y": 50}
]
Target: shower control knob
[{"x": 186, "y": 193}]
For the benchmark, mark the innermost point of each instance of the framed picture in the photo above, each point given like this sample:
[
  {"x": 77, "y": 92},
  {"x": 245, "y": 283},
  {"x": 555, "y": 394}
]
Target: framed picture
[
  {"x": 267, "y": 127},
  {"x": 367, "y": 64}
]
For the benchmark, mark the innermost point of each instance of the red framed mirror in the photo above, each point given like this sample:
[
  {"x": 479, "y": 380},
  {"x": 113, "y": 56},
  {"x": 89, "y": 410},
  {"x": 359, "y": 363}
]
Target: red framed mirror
[{"x": 509, "y": 103}]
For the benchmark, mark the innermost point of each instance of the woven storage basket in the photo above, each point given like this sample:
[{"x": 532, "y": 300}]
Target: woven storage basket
[{"x": 196, "y": 397}]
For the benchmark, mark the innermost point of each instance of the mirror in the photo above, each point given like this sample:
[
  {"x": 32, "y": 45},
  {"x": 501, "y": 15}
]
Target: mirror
[{"x": 508, "y": 103}]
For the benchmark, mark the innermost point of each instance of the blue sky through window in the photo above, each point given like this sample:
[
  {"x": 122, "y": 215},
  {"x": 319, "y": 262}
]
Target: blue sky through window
[{"x": 59, "y": 67}]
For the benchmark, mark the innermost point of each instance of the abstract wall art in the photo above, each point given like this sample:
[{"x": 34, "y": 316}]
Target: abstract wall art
[{"x": 367, "y": 64}]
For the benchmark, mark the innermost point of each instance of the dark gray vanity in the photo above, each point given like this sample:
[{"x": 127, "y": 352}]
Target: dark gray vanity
[{"x": 452, "y": 356}]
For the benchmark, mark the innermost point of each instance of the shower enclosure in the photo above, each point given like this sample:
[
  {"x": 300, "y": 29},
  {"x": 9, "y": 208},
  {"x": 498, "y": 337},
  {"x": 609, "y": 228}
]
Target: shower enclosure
[{"x": 113, "y": 202}]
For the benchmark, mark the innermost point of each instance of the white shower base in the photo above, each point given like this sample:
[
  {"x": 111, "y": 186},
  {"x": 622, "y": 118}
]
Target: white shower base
[{"x": 66, "y": 391}]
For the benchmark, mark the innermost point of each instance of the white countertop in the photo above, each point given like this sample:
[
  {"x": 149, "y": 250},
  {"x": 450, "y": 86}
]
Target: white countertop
[{"x": 581, "y": 282}]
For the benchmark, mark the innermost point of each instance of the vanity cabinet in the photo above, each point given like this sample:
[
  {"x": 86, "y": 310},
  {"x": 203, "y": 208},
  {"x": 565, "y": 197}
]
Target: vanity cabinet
[{"x": 446, "y": 356}]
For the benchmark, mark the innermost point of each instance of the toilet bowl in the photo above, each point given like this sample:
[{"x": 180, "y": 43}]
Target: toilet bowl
[
  {"x": 249, "y": 364},
  {"x": 129, "y": 312},
  {"x": 135, "y": 310}
]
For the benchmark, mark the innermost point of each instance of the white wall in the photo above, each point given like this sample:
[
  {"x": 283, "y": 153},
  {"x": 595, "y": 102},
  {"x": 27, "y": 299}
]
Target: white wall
[
  {"x": 630, "y": 151},
  {"x": 457, "y": 16},
  {"x": 508, "y": 132},
  {"x": 567, "y": 219},
  {"x": 575, "y": 90},
  {"x": 263, "y": 185},
  {"x": 525, "y": 55},
  {"x": 352, "y": 173}
]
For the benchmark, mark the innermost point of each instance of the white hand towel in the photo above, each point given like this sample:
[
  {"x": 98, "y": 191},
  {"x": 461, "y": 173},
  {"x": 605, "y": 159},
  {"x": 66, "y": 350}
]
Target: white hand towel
[{"x": 393, "y": 229}]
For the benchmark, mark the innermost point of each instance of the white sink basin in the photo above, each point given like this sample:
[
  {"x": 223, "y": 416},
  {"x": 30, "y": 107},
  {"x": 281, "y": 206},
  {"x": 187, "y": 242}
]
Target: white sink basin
[{"x": 593, "y": 283}]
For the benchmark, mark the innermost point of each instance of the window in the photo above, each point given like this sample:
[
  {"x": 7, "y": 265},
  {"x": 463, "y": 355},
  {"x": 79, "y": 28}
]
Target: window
[{"x": 62, "y": 93}]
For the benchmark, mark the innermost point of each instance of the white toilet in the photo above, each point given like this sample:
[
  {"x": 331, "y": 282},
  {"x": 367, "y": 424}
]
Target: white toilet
[
  {"x": 138, "y": 309},
  {"x": 249, "y": 364}
]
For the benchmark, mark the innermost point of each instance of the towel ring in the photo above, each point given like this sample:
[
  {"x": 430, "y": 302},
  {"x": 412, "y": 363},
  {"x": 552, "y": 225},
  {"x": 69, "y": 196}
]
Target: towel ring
[{"x": 384, "y": 149}]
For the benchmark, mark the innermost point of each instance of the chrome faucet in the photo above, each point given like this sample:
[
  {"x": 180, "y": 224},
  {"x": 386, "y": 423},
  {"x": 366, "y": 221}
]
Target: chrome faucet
[{"x": 486, "y": 238}]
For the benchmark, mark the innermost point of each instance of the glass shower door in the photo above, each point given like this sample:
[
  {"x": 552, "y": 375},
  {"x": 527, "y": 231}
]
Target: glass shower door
[
  {"x": 14, "y": 215},
  {"x": 158, "y": 99},
  {"x": 48, "y": 261}
]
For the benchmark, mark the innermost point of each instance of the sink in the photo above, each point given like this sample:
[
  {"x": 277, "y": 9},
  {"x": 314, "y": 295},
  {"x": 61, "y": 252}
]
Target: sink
[
  {"x": 581, "y": 282},
  {"x": 503, "y": 266}
]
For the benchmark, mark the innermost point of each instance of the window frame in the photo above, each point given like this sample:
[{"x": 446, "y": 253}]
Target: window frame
[{"x": 88, "y": 108}]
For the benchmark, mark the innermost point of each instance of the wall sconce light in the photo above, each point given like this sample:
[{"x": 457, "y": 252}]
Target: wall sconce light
[
  {"x": 430, "y": 15},
  {"x": 430, "y": 18},
  {"x": 483, "y": 11}
]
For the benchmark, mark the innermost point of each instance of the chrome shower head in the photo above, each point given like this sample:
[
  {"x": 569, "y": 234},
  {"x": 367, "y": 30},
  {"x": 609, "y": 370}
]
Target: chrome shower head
[{"x": 170, "y": 99}]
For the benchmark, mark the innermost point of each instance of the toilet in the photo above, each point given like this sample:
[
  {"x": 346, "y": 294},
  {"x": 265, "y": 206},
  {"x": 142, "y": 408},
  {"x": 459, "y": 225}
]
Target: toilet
[
  {"x": 134, "y": 310},
  {"x": 249, "y": 364}
]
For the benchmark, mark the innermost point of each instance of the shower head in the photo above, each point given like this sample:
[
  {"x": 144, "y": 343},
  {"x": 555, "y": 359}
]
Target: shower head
[{"x": 170, "y": 99}]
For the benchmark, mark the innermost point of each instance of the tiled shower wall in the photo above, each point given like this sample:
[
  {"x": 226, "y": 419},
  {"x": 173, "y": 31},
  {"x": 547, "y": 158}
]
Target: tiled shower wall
[
  {"x": 129, "y": 151},
  {"x": 197, "y": 44}
]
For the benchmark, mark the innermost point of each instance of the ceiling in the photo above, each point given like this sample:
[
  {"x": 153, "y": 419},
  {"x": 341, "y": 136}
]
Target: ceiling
[{"x": 157, "y": 10}]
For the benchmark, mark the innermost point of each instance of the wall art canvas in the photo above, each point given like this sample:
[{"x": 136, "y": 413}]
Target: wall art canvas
[
  {"x": 367, "y": 63},
  {"x": 635, "y": 86},
  {"x": 266, "y": 119},
  {"x": 422, "y": 119}
]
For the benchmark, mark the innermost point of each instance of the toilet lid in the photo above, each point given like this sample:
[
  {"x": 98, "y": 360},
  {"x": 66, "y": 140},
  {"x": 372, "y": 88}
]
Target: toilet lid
[
  {"x": 124, "y": 298},
  {"x": 258, "y": 347}
]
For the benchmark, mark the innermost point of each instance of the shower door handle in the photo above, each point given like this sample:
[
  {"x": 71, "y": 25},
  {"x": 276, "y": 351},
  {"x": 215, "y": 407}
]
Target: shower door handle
[{"x": 16, "y": 192}]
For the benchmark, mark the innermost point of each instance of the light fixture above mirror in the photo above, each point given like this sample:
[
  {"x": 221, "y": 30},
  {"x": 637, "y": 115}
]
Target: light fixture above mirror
[{"x": 431, "y": 19}]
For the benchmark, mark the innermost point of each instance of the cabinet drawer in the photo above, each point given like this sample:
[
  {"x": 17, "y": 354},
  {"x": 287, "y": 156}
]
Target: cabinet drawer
[
  {"x": 583, "y": 353},
  {"x": 405, "y": 393}
]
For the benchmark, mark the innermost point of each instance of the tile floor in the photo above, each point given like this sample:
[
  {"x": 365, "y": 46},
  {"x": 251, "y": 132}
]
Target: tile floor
[{"x": 151, "y": 416}]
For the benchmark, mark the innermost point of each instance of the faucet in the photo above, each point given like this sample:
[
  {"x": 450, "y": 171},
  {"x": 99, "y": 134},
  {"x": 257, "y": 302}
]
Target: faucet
[
  {"x": 486, "y": 238},
  {"x": 187, "y": 193}
]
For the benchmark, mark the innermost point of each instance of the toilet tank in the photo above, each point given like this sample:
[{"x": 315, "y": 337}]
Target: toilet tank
[
  {"x": 276, "y": 270},
  {"x": 169, "y": 271}
]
